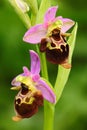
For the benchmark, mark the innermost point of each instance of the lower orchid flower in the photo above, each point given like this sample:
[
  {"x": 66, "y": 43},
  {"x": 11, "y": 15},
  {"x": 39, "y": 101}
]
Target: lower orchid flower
[
  {"x": 32, "y": 90},
  {"x": 52, "y": 37}
]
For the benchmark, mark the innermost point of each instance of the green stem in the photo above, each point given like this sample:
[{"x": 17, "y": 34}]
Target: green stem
[
  {"x": 61, "y": 80},
  {"x": 48, "y": 107},
  {"x": 49, "y": 110},
  {"x": 44, "y": 71},
  {"x": 43, "y": 66}
]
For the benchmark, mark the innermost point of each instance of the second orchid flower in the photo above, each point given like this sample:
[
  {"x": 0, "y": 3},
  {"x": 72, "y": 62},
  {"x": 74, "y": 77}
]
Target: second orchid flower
[{"x": 32, "y": 90}]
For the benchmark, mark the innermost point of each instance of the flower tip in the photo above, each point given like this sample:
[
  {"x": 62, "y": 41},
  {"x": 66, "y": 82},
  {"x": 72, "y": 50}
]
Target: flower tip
[
  {"x": 26, "y": 71},
  {"x": 28, "y": 38},
  {"x": 16, "y": 118},
  {"x": 56, "y": 6},
  {"x": 54, "y": 99},
  {"x": 53, "y": 8},
  {"x": 25, "y": 38},
  {"x": 35, "y": 63},
  {"x": 22, "y": 5},
  {"x": 50, "y": 14},
  {"x": 16, "y": 88},
  {"x": 72, "y": 23},
  {"x": 66, "y": 65},
  {"x": 33, "y": 54}
]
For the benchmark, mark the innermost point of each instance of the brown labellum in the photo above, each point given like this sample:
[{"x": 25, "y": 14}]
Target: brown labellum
[
  {"x": 58, "y": 55},
  {"x": 27, "y": 103},
  {"x": 56, "y": 48},
  {"x": 43, "y": 45}
]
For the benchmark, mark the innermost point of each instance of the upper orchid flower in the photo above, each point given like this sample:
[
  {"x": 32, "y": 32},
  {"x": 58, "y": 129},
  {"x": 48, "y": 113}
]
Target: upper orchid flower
[
  {"x": 52, "y": 37},
  {"x": 33, "y": 89}
]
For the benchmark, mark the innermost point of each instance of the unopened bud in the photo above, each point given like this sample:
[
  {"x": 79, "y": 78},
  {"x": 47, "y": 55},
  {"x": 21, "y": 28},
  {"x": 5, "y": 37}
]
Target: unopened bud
[{"x": 22, "y": 5}]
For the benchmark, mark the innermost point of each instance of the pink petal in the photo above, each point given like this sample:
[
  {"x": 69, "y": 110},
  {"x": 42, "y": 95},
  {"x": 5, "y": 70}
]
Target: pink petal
[
  {"x": 50, "y": 14},
  {"x": 35, "y": 34},
  {"x": 35, "y": 78},
  {"x": 47, "y": 92},
  {"x": 67, "y": 23},
  {"x": 15, "y": 83},
  {"x": 35, "y": 63},
  {"x": 26, "y": 71}
]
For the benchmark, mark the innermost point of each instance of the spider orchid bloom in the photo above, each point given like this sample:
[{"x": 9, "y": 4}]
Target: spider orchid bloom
[
  {"x": 52, "y": 37},
  {"x": 32, "y": 90}
]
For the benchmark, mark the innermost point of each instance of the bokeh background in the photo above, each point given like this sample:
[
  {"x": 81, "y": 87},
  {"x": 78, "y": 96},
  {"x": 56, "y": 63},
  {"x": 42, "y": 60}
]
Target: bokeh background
[{"x": 71, "y": 111}]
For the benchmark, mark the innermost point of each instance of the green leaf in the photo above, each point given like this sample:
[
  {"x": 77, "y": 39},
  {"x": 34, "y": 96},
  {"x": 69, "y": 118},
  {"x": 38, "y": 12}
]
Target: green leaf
[
  {"x": 63, "y": 73},
  {"x": 71, "y": 41}
]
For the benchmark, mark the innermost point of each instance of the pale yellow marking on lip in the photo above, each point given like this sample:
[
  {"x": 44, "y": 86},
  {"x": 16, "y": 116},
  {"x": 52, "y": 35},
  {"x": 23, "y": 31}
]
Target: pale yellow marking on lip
[
  {"x": 16, "y": 118},
  {"x": 16, "y": 88}
]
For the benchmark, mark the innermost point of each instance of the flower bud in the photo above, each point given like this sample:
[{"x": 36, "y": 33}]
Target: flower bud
[{"x": 22, "y": 5}]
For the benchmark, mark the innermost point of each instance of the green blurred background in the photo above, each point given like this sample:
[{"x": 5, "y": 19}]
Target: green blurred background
[{"x": 71, "y": 111}]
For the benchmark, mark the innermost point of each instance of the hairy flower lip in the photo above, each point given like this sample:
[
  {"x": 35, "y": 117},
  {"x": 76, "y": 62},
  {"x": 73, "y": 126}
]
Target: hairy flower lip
[
  {"x": 57, "y": 52},
  {"x": 58, "y": 56},
  {"x": 25, "y": 107}
]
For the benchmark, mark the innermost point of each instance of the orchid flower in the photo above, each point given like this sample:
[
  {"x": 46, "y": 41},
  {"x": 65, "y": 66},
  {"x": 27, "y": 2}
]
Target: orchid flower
[
  {"x": 51, "y": 35},
  {"x": 32, "y": 90}
]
